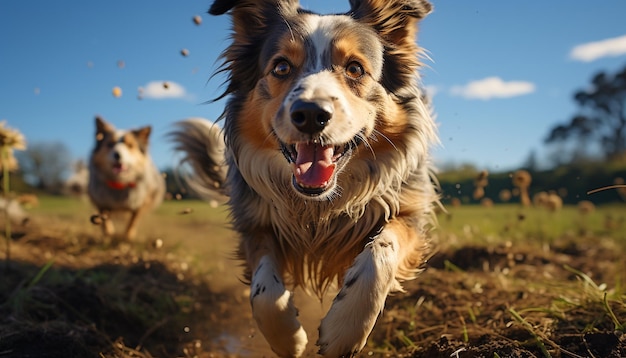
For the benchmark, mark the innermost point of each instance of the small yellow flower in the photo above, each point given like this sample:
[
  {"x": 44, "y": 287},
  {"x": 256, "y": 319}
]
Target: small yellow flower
[{"x": 11, "y": 138}]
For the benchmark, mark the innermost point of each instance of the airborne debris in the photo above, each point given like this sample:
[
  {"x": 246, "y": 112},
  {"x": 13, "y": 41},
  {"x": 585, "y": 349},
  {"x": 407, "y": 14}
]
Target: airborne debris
[
  {"x": 480, "y": 183},
  {"x": 521, "y": 180},
  {"x": 117, "y": 92},
  {"x": 186, "y": 211}
]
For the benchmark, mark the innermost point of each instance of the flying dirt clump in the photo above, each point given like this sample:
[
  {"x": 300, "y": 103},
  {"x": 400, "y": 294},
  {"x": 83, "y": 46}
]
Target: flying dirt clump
[
  {"x": 585, "y": 207},
  {"x": 505, "y": 195},
  {"x": 548, "y": 200},
  {"x": 522, "y": 180},
  {"x": 117, "y": 92},
  {"x": 480, "y": 183}
]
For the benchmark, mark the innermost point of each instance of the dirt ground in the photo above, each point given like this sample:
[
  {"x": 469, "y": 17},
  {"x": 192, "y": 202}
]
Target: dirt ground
[{"x": 67, "y": 292}]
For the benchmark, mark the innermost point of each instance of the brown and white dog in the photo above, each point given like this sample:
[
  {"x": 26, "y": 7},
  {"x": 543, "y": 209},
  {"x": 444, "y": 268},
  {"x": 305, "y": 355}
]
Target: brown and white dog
[
  {"x": 122, "y": 176},
  {"x": 326, "y": 143}
]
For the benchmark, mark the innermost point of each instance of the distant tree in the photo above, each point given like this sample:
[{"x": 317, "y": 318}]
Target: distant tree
[
  {"x": 45, "y": 165},
  {"x": 531, "y": 163},
  {"x": 601, "y": 118}
]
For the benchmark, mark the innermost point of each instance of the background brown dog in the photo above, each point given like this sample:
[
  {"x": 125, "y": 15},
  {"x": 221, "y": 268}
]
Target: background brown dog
[{"x": 122, "y": 176}]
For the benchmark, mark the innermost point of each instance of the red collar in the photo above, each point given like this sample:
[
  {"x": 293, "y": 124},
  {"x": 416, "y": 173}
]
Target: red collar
[{"x": 118, "y": 185}]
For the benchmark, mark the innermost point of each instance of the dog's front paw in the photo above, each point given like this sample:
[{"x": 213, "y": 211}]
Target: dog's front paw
[
  {"x": 275, "y": 313},
  {"x": 344, "y": 330},
  {"x": 276, "y": 318},
  {"x": 291, "y": 345},
  {"x": 355, "y": 309},
  {"x": 343, "y": 336}
]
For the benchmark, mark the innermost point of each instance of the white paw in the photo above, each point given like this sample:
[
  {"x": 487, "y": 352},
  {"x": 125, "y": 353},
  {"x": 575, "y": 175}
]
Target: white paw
[
  {"x": 275, "y": 313},
  {"x": 355, "y": 309},
  {"x": 276, "y": 318},
  {"x": 348, "y": 323}
]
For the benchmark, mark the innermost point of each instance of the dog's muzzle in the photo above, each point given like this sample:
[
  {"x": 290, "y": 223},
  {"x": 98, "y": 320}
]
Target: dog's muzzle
[{"x": 315, "y": 163}]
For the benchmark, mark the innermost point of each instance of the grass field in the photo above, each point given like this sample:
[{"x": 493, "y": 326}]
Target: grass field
[{"x": 504, "y": 281}]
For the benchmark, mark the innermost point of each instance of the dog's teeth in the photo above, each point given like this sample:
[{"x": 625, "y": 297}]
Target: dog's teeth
[{"x": 312, "y": 186}]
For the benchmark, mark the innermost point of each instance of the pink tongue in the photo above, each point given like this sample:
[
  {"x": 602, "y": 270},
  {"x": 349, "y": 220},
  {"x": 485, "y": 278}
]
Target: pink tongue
[
  {"x": 117, "y": 168},
  {"x": 314, "y": 165}
]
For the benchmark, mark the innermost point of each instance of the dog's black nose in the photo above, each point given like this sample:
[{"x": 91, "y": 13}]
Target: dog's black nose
[
  {"x": 311, "y": 117},
  {"x": 116, "y": 156}
]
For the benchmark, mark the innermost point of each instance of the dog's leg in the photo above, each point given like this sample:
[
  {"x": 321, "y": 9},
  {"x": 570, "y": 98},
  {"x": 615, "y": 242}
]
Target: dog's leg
[
  {"x": 348, "y": 323},
  {"x": 108, "y": 229},
  {"x": 274, "y": 311},
  {"x": 131, "y": 229}
]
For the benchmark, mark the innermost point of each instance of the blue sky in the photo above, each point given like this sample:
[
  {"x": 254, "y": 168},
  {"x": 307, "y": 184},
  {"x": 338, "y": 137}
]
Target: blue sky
[{"x": 501, "y": 73}]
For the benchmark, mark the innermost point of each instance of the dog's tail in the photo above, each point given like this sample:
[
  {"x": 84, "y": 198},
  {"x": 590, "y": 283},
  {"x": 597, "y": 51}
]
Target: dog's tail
[{"x": 203, "y": 166}]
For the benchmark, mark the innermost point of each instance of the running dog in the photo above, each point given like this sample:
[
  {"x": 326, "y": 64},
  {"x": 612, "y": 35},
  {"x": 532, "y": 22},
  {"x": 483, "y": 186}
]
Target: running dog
[
  {"x": 324, "y": 156},
  {"x": 122, "y": 176}
]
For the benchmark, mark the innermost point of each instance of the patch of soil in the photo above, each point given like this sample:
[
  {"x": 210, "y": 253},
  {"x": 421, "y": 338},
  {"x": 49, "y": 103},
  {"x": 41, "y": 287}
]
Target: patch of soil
[
  {"x": 468, "y": 303},
  {"x": 87, "y": 298}
]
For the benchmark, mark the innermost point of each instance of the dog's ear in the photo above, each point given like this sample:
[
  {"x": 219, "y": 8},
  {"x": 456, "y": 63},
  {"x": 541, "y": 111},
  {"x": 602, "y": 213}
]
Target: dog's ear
[
  {"x": 142, "y": 135},
  {"x": 220, "y": 7},
  {"x": 102, "y": 127},
  {"x": 252, "y": 16},
  {"x": 396, "y": 23},
  {"x": 252, "y": 23},
  {"x": 395, "y": 20}
]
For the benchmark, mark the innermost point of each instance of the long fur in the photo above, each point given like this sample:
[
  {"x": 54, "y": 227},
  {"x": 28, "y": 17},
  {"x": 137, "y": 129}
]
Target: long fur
[{"x": 366, "y": 227}]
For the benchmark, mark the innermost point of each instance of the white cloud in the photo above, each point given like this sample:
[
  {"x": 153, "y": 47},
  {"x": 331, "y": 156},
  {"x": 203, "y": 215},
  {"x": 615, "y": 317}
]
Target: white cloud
[
  {"x": 492, "y": 87},
  {"x": 162, "y": 90},
  {"x": 592, "y": 51}
]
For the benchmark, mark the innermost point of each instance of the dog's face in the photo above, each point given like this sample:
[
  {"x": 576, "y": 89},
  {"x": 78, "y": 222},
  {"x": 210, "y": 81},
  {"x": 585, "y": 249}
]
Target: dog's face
[
  {"x": 119, "y": 155},
  {"x": 321, "y": 88}
]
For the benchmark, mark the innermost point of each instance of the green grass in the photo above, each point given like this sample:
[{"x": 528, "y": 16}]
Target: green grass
[
  {"x": 480, "y": 225},
  {"x": 62, "y": 206},
  {"x": 67, "y": 207}
]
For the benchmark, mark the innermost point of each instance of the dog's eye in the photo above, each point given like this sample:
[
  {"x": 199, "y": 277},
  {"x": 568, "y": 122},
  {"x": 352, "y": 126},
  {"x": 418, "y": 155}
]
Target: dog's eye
[
  {"x": 354, "y": 70},
  {"x": 110, "y": 145},
  {"x": 281, "y": 69}
]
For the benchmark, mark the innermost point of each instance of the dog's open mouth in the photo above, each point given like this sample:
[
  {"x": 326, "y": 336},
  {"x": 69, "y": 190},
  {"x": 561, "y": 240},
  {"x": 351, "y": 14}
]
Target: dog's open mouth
[
  {"x": 117, "y": 168},
  {"x": 315, "y": 165}
]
